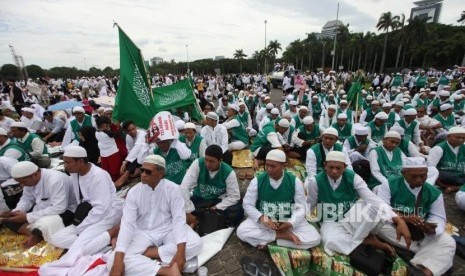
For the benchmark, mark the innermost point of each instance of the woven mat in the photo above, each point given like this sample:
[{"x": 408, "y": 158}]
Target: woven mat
[
  {"x": 13, "y": 254},
  {"x": 242, "y": 159}
]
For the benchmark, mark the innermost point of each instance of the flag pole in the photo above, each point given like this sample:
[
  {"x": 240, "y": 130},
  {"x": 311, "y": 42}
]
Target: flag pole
[{"x": 356, "y": 108}]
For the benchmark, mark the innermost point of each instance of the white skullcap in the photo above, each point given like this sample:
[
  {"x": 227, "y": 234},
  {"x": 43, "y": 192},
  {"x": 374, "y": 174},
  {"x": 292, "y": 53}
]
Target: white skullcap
[
  {"x": 303, "y": 108},
  {"x": 242, "y": 103},
  {"x": 332, "y": 106},
  {"x": 269, "y": 106},
  {"x": 212, "y": 115},
  {"x": 79, "y": 109},
  {"x": 342, "y": 116},
  {"x": 267, "y": 98},
  {"x": 101, "y": 108},
  {"x": 75, "y": 151},
  {"x": 382, "y": 101},
  {"x": 343, "y": 102},
  {"x": 361, "y": 130},
  {"x": 230, "y": 93},
  {"x": 275, "y": 111},
  {"x": 400, "y": 103},
  {"x": 337, "y": 156},
  {"x": 283, "y": 123},
  {"x": 27, "y": 109},
  {"x": 264, "y": 90},
  {"x": 444, "y": 93},
  {"x": 369, "y": 97},
  {"x": 445, "y": 106},
  {"x": 414, "y": 162},
  {"x": 384, "y": 89},
  {"x": 422, "y": 89},
  {"x": 293, "y": 103},
  {"x": 189, "y": 126},
  {"x": 410, "y": 111},
  {"x": 456, "y": 130},
  {"x": 457, "y": 97},
  {"x": 276, "y": 155},
  {"x": 156, "y": 160},
  {"x": 308, "y": 120},
  {"x": 331, "y": 131},
  {"x": 398, "y": 129},
  {"x": 432, "y": 93},
  {"x": 107, "y": 109},
  {"x": 290, "y": 97},
  {"x": 382, "y": 116},
  {"x": 386, "y": 105},
  {"x": 392, "y": 134},
  {"x": 18, "y": 124},
  {"x": 374, "y": 102},
  {"x": 342, "y": 91},
  {"x": 234, "y": 107},
  {"x": 364, "y": 92},
  {"x": 3, "y": 132},
  {"x": 315, "y": 97},
  {"x": 179, "y": 124},
  {"x": 23, "y": 169}
]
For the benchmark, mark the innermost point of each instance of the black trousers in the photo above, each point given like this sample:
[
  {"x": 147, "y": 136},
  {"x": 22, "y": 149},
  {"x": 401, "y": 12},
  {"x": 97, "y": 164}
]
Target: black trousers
[
  {"x": 233, "y": 214},
  {"x": 451, "y": 179}
]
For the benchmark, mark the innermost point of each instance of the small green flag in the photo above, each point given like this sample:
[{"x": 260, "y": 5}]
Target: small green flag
[
  {"x": 133, "y": 99},
  {"x": 178, "y": 95}
]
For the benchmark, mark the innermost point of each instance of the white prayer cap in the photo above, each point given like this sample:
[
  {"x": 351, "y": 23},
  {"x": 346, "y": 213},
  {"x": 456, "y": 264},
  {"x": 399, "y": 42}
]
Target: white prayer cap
[
  {"x": 398, "y": 129},
  {"x": 80, "y": 109},
  {"x": 406, "y": 99},
  {"x": 156, "y": 160},
  {"x": 446, "y": 106},
  {"x": 414, "y": 162},
  {"x": 267, "y": 98},
  {"x": 269, "y": 106},
  {"x": 364, "y": 92},
  {"x": 230, "y": 93},
  {"x": 27, "y": 109},
  {"x": 303, "y": 108},
  {"x": 275, "y": 111},
  {"x": 75, "y": 151},
  {"x": 410, "y": 111},
  {"x": 369, "y": 97},
  {"x": 342, "y": 116},
  {"x": 264, "y": 90},
  {"x": 23, "y": 169},
  {"x": 331, "y": 94},
  {"x": 382, "y": 101},
  {"x": 337, "y": 156},
  {"x": 399, "y": 103},
  {"x": 308, "y": 120},
  {"x": 343, "y": 102},
  {"x": 432, "y": 93},
  {"x": 242, "y": 103},
  {"x": 384, "y": 89},
  {"x": 392, "y": 134},
  {"x": 342, "y": 91},
  {"x": 179, "y": 124},
  {"x": 456, "y": 130},
  {"x": 375, "y": 102},
  {"x": 331, "y": 131},
  {"x": 107, "y": 109},
  {"x": 387, "y": 105},
  {"x": 261, "y": 95},
  {"x": 189, "y": 126},
  {"x": 3, "y": 132},
  {"x": 293, "y": 103},
  {"x": 276, "y": 155},
  {"x": 444, "y": 93},
  {"x": 315, "y": 97},
  {"x": 332, "y": 106},
  {"x": 212, "y": 115},
  {"x": 18, "y": 124},
  {"x": 284, "y": 123},
  {"x": 361, "y": 130},
  {"x": 458, "y": 97},
  {"x": 422, "y": 89},
  {"x": 290, "y": 97},
  {"x": 382, "y": 116},
  {"x": 101, "y": 109},
  {"x": 234, "y": 107}
]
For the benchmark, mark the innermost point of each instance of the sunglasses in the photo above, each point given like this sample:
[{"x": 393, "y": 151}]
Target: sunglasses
[{"x": 148, "y": 172}]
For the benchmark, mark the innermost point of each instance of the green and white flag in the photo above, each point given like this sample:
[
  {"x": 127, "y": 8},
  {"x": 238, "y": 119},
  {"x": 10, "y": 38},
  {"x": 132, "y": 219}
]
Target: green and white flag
[
  {"x": 178, "y": 95},
  {"x": 133, "y": 99}
]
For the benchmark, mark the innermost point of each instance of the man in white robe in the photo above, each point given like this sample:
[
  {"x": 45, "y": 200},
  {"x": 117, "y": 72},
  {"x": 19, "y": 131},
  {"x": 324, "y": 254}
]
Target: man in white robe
[{"x": 154, "y": 226}]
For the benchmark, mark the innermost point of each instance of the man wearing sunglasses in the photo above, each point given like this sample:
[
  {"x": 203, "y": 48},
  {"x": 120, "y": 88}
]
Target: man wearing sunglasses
[{"x": 154, "y": 227}]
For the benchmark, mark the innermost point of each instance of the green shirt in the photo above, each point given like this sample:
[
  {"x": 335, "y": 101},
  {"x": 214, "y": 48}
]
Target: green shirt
[
  {"x": 211, "y": 188},
  {"x": 175, "y": 167},
  {"x": 450, "y": 162},
  {"x": 319, "y": 156},
  {"x": 388, "y": 168},
  {"x": 276, "y": 203}
]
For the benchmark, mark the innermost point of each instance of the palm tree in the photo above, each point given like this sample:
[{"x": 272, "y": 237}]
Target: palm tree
[
  {"x": 400, "y": 36},
  {"x": 239, "y": 54},
  {"x": 462, "y": 17},
  {"x": 273, "y": 48},
  {"x": 386, "y": 22}
]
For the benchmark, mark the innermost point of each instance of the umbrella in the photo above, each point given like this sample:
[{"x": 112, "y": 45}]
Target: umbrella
[
  {"x": 105, "y": 101},
  {"x": 64, "y": 105}
]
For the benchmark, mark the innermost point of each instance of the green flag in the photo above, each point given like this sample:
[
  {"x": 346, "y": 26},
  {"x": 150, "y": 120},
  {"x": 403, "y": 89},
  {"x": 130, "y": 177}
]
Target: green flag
[
  {"x": 133, "y": 99},
  {"x": 178, "y": 95}
]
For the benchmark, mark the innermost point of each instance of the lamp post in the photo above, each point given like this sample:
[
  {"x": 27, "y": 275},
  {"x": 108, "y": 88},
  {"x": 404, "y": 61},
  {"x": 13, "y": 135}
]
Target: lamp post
[
  {"x": 335, "y": 38},
  {"x": 187, "y": 57},
  {"x": 85, "y": 63},
  {"x": 265, "y": 49}
]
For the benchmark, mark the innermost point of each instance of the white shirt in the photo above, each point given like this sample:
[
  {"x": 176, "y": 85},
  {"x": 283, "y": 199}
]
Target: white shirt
[
  {"x": 6, "y": 123},
  {"x": 311, "y": 162},
  {"x": 135, "y": 145},
  {"x": 189, "y": 182},
  {"x": 251, "y": 197},
  {"x": 55, "y": 126},
  {"x": 32, "y": 124},
  {"x": 37, "y": 145},
  {"x": 6, "y": 164},
  {"x": 374, "y": 166},
  {"x": 436, "y": 214},
  {"x": 106, "y": 144},
  {"x": 416, "y": 132},
  {"x": 69, "y": 135},
  {"x": 52, "y": 195},
  {"x": 159, "y": 210},
  {"x": 326, "y": 121},
  {"x": 215, "y": 136},
  {"x": 99, "y": 190}
]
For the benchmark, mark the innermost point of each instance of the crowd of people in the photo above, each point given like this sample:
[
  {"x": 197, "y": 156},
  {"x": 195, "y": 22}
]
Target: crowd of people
[{"x": 391, "y": 158}]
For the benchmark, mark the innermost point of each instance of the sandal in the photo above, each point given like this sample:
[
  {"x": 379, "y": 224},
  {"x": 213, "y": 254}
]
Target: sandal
[{"x": 249, "y": 267}]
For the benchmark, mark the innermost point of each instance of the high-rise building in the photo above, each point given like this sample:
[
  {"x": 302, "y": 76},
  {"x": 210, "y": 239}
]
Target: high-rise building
[
  {"x": 156, "y": 60},
  {"x": 430, "y": 9},
  {"x": 330, "y": 28}
]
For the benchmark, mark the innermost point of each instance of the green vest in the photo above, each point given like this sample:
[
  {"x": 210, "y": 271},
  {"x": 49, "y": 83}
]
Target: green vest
[
  {"x": 353, "y": 143},
  {"x": 243, "y": 119},
  {"x": 276, "y": 203},
  {"x": 391, "y": 119},
  {"x": 348, "y": 112},
  {"x": 408, "y": 130},
  {"x": 388, "y": 168},
  {"x": 319, "y": 155},
  {"x": 344, "y": 133},
  {"x": 16, "y": 146},
  {"x": 450, "y": 162},
  {"x": 76, "y": 127},
  {"x": 26, "y": 145},
  {"x": 403, "y": 200},
  {"x": 297, "y": 120},
  {"x": 291, "y": 132},
  {"x": 315, "y": 133},
  {"x": 316, "y": 110},
  {"x": 343, "y": 197},
  {"x": 175, "y": 166},
  {"x": 446, "y": 123},
  {"x": 397, "y": 81},
  {"x": 239, "y": 133},
  {"x": 443, "y": 80},
  {"x": 261, "y": 139},
  {"x": 370, "y": 115},
  {"x": 366, "y": 105},
  {"x": 194, "y": 147},
  {"x": 436, "y": 103},
  {"x": 211, "y": 188},
  {"x": 459, "y": 106},
  {"x": 403, "y": 146},
  {"x": 421, "y": 81},
  {"x": 421, "y": 102},
  {"x": 376, "y": 134}
]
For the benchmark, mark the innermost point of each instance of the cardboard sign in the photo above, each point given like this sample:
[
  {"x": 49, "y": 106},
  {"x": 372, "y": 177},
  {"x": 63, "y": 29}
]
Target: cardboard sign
[{"x": 162, "y": 127}]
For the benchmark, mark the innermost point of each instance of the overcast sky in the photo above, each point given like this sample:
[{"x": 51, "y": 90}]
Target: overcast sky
[{"x": 80, "y": 33}]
